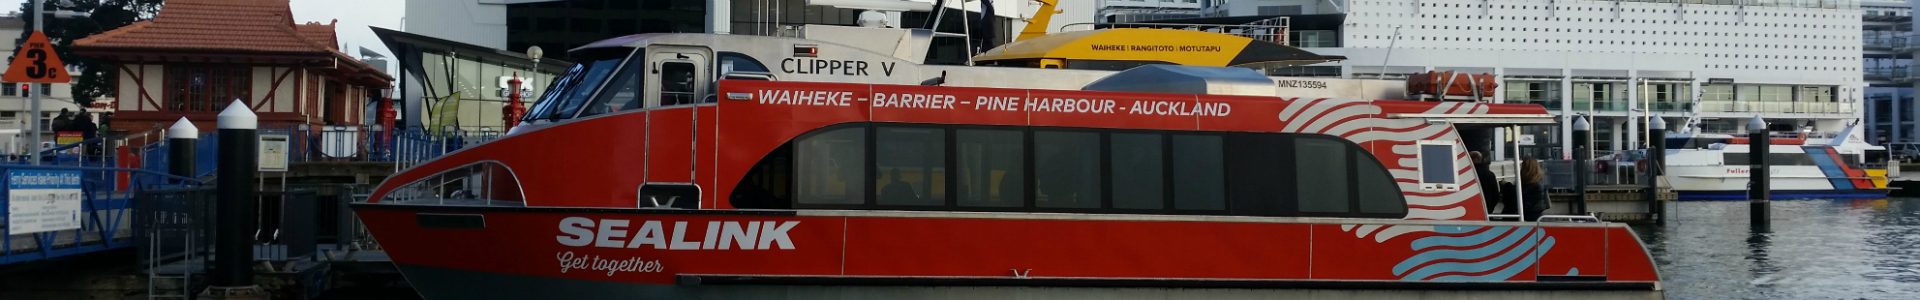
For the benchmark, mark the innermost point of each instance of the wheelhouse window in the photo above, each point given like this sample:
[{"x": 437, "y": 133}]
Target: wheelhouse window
[
  {"x": 1011, "y": 168},
  {"x": 676, "y": 84},
  {"x": 568, "y": 94},
  {"x": 203, "y": 88},
  {"x": 622, "y": 94}
]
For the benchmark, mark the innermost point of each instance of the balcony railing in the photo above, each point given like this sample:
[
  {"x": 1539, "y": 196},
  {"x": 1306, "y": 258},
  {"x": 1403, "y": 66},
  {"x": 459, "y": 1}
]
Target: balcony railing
[{"x": 1777, "y": 107}]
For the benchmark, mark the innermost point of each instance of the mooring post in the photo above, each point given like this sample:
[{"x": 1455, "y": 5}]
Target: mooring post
[
  {"x": 181, "y": 138},
  {"x": 1757, "y": 190},
  {"x": 232, "y": 274},
  {"x": 1582, "y": 138},
  {"x": 1656, "y": 150}
]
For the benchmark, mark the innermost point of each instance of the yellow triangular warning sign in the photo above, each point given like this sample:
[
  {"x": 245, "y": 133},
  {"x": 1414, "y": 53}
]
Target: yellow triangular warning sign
[{"x": 36, "y": 62}]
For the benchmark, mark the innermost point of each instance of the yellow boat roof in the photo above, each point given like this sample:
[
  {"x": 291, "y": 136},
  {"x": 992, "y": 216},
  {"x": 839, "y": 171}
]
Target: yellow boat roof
[{"x": 1173, "y": 46}]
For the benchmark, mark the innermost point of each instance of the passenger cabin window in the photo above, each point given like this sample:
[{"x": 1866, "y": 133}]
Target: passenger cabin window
[
  {"x": 830, "y": 167},
  {"x": 990, "y": 168},
  {"x": 912, "y": 166}
]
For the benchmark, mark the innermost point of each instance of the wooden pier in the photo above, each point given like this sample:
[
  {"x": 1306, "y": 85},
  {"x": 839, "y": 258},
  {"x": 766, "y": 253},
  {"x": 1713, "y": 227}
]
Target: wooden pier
[{"x": 1613, "y": 203}]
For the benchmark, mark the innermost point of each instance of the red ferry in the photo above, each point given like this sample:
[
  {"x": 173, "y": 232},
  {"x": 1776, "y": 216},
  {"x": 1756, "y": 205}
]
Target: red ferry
[{"x": 699, "y": 165}]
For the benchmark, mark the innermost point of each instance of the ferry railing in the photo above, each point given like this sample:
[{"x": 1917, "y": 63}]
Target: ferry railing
[{"x": 1273, "y": 30}]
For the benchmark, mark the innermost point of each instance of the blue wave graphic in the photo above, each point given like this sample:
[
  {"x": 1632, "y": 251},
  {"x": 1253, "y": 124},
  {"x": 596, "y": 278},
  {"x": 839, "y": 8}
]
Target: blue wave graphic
[
  {"x": 1516, "y": 260},
  {"x": 1476, "y": 239}
]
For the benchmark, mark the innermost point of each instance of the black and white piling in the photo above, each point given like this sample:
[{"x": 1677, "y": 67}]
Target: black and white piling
[
  {"x": 1758, "y": 193},
  {"x": 181, "y": 138},
  {"x": 232, "y": 275},
  {"x": 1582, "y": 138},
  {"x": 1656, "y": 161}
]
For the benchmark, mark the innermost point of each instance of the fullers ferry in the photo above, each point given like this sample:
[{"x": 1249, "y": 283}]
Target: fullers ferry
[
  {"x": 727, "y": 166},
  {"x": 1838, "y": 166}
]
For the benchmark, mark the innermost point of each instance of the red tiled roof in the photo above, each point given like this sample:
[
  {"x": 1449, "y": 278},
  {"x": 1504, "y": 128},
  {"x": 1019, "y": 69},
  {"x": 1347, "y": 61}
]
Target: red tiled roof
[
  {"x": 320, "y": 33},
  {"x": 219, "y": 25}
]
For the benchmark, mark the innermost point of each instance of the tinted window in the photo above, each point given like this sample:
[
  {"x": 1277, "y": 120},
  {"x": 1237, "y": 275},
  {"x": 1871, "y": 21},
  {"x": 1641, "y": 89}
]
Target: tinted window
[
  {"x": 621, "y": 94},
  {"x": 570, "y": 99},
  {"x": 1379, "y": 193},
  {"x": 1138, "y": 168},
  {"x": 910, "y": 165},
  {"x": 991, "y": 167},
  {"x": 730, "y": 62},
  {"x": 1259, "y": 181},
  {"x": 830, "y": 167},
  {"x": 1198, "y": 173},
  {"x": 1321, "y": 174},
  {"x": 1066, "y": 169},
  {"x": 1436, "y": 164},
  {"x": 676, "y": 84}
]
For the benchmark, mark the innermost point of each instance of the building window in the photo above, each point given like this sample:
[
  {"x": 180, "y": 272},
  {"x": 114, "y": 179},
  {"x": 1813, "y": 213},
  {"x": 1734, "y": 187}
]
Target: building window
[
  {"x": 1279, "y": 10},
  {"x": 46, "y": 89},
  {"x": 206, "y": 88},
  {"x": 1541, "y": 92},
  {"x": 1716, "y": 92},
  {"x": 12, "y": 89}
]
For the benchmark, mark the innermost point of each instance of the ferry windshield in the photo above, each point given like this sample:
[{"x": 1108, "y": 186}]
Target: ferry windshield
[{"x": 564, "y": 98}]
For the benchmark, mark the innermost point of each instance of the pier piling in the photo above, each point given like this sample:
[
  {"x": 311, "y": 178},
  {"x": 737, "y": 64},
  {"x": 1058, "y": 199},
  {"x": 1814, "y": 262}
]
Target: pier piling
[
  {"x": 1582, "y": 138},
  {"x": 232, "y": 274},
  {"x": 1656, "y": 154},
  {"x": 180, "y": 143},
  {"x": 1757, "y": 190}
]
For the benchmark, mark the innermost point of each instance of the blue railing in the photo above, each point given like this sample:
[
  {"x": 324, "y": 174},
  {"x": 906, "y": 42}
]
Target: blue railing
[
  {"x": 332, "y": 144},
  {"x": 107, "y": 195}
]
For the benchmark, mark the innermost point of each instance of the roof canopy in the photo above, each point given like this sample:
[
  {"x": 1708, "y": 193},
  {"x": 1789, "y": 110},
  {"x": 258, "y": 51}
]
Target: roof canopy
[
  {"x": 262, "y": 30},
  {"x": 1181, "y": 47}
]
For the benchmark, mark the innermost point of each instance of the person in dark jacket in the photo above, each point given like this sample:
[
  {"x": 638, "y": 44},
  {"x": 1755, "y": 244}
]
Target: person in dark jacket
[
  {"x": 1489, "y": 183},
  {"x": 1533, "y": 189}
]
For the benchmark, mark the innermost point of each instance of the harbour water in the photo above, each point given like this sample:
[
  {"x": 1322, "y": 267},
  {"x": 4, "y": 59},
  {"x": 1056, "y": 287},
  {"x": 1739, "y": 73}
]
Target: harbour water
[{"x": 1865, "y": 249}]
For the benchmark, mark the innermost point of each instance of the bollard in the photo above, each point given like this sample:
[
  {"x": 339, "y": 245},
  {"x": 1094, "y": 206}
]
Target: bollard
[
  {"x": 180, "y": 143},
  {"x": 232, "y": 274},
  {"x": 1757, "y": 163},
  {"x": 1582, "y": 138},
  {"x": 1656, "y": 163}
]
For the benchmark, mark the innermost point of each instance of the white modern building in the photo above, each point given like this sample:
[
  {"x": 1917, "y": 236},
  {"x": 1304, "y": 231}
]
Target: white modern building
[
  {"x": 1130, "y": 11},
  {"x": 1796, "y": 63}
]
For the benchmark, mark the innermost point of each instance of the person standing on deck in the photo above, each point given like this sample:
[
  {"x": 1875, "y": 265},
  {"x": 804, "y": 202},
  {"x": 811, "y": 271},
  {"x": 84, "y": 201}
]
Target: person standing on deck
[{"x": 1489, "y": 183}]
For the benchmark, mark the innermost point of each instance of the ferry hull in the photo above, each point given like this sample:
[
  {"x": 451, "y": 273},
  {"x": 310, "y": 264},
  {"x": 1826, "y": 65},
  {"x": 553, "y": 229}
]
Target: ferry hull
[
  {"x": 454, "y": 252},
  {"x": 1724, "y": 195},
  {"x": 442, "y": 283}
]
